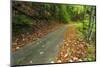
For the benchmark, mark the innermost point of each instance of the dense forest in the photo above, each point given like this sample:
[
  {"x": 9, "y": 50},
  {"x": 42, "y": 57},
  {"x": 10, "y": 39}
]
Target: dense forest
[{"x": 32, "y": 21}]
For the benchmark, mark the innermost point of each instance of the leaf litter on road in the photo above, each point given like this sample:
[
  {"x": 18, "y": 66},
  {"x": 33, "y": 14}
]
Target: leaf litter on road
[{"x": 73, "y": 48}]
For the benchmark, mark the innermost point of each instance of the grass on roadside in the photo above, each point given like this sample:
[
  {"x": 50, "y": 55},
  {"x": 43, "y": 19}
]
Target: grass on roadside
[{"x": 91, "y": 53}]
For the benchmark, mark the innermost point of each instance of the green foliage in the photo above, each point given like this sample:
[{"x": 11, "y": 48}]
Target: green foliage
[
  {"x": 22, "y": 19},
  {"x": 63, "y": 13},
  {"x": 21, "y": 23},
  {"x": 79, "y": 26},
  {"x": 91, "y": 53}
]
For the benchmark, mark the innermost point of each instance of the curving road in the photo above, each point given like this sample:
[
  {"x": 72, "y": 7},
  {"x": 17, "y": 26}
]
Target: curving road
[{"x": 42, "y": 51}]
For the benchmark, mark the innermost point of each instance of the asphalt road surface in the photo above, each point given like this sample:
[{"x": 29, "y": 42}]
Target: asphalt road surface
[{"x": 42, "y": 51}]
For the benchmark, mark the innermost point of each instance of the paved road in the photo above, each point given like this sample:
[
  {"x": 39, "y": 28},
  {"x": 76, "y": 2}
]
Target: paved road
[{"x": 42, "y": 51}]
